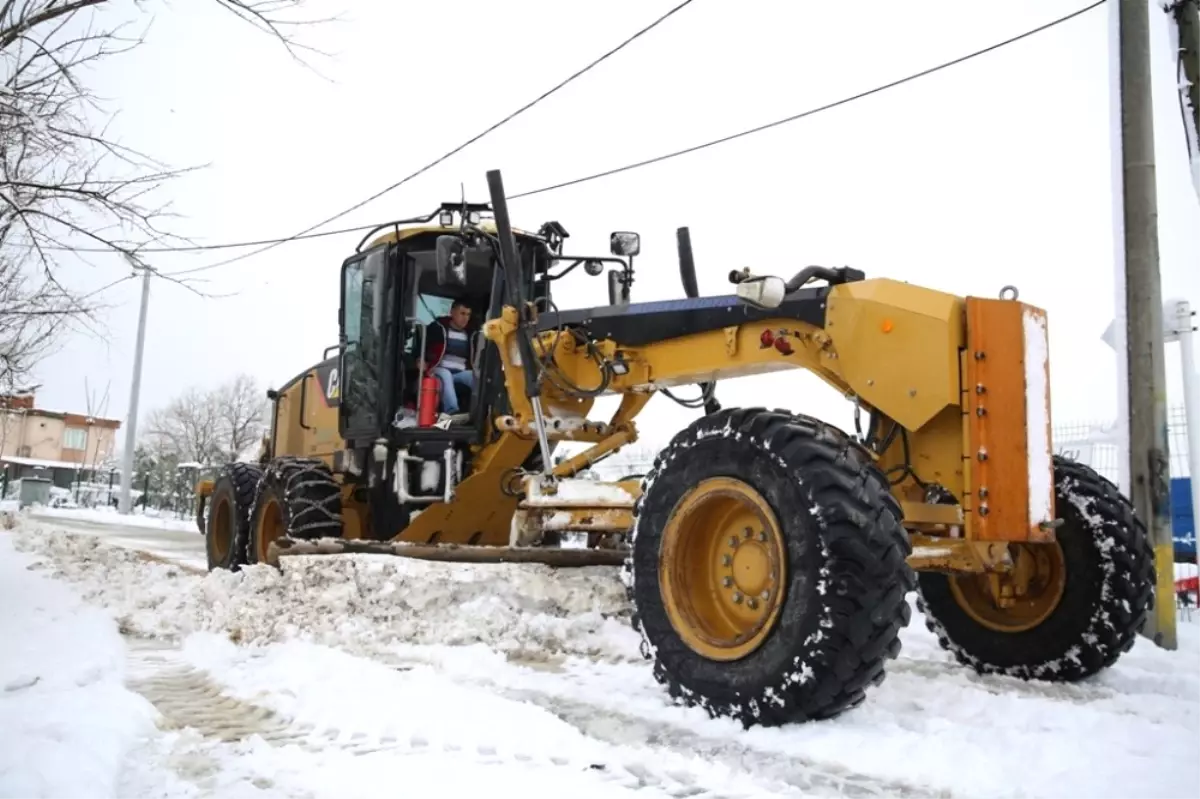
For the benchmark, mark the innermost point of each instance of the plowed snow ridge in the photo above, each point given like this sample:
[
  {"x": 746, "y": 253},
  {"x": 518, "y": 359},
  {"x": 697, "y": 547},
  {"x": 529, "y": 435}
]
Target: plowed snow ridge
[{"x": 362, "y": 603}]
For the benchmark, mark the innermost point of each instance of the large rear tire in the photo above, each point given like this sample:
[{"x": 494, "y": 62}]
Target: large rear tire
[
  {"x": 229, "y": 508},
  {"x": 767, "y": 568},
  {"x": 1091, "y": 610},
  {"x": 297, "y": 498}
]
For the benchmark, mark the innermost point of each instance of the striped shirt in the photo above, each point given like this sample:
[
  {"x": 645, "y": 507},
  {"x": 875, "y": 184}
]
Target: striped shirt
[{"x": 458, "y": 348}]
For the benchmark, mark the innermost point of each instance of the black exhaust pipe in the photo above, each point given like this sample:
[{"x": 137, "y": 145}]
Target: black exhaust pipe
[
  {"x": 687, "y": 264},
  {"x": 514, "y": 280},
  {"x": 687, "y": 274}
]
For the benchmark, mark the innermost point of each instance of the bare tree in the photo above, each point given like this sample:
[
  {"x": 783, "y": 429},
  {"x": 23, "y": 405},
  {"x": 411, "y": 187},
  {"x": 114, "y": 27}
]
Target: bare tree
[
  {"x": 188, "y": 427},
  {"x": 32, "y": 311},
  {"x": 207, "y": 427},
  {"x": 65, "y": 186},
  {"x": 243, "y": 408}
]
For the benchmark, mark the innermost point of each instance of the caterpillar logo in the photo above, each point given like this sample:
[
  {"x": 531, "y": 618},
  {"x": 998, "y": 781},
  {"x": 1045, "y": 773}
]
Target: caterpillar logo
[
  {"x": 329, "y": 378},
  {"x": 332, "y": 389}
]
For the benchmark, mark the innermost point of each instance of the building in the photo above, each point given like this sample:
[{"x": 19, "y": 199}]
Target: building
[{"x": 52, "y": 444}]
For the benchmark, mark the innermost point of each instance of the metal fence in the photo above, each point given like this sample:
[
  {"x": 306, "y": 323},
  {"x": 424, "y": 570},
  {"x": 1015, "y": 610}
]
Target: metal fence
[
  {"x": 173, "y": 498},
  {"x": 1095, "y": 443}
]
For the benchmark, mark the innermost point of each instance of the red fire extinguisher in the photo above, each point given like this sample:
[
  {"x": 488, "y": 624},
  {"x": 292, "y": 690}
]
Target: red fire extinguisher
[{"x": 431, "y": 393}]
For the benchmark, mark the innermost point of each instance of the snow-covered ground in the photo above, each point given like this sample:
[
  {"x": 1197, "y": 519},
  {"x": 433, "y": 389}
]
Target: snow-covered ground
[
  {"x": 67, "y": 721},
  {"x": 176, "y": 540},
  {"x": 373, "y": 675}
]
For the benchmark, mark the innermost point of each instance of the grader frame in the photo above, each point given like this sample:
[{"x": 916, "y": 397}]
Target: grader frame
[{"x": 953, "y": 478}]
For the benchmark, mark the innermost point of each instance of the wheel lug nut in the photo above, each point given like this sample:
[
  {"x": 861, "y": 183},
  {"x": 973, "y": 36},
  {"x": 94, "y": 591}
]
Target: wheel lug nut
[
  {"x": 733, "y": 540},
  {"x": 737, "y": 597},
  {"x": 765, "y": 595},
  {"x": 762, "y": 535},
  {"x": 747, "y": 533},
  {"x": 726, "y": 560},
  {"x": 752, "y": 603},
  {"x": 727, "y": 582}
]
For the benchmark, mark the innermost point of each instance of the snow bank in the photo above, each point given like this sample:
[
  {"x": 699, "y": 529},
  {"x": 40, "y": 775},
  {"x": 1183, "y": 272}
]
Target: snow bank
[
  {"x": 66, "y": 719},
  {"x": 363, "y": 603}
]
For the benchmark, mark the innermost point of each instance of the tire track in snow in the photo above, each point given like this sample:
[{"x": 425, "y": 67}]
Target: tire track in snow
[
  {"x": 795, "y": 772},
  {"x": 783, "y": 772},
  {"x": 191, "y": 701}
]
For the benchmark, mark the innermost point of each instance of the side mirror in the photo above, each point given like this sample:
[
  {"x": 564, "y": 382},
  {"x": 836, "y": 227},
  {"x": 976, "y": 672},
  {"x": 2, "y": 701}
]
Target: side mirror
[
  {"x": 762, "y": 292},
  {"x": 624, "y": 243},
  {"x": 451, "y": 262}
]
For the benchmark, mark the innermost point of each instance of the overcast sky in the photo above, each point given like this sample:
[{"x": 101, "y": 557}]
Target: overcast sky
[{"x": 993, "y": 172}]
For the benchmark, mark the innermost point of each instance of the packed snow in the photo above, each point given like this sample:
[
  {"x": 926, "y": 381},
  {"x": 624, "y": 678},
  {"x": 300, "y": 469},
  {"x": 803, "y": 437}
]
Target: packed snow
[
  {"x": 358, "y": 675},
  {"x": 579, "y": 492},
  {"x": 67, "y": 722},
  {"x": 1037, "y": 421}
]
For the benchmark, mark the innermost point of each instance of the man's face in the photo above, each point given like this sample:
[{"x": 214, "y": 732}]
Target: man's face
[{"x": 459, "y": 316}]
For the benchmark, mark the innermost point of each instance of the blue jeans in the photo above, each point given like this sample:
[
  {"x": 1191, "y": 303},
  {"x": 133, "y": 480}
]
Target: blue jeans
[{"x": 450, "y": 399}]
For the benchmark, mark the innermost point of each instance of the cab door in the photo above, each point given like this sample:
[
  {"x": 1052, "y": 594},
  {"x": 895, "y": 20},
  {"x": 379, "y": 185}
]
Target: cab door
[{"x": 362, "y": 336}]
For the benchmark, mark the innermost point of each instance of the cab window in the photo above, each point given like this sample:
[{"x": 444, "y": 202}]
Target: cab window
[{"x": 429, "y": 308}]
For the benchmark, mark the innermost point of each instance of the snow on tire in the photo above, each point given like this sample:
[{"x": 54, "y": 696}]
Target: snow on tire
[
  {"x": 306, "y": 498},
  {"x": 1106, "y": 598},
  {"x": 843, "y": 600}
]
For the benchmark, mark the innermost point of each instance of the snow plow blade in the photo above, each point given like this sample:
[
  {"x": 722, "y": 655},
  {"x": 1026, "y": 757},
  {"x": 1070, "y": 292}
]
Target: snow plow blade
[{"x": 460, "y": 553}]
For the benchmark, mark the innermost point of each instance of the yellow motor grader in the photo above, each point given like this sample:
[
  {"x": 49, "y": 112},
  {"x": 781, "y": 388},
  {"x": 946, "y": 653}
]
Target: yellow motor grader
[{"x": 767, "y": 555}]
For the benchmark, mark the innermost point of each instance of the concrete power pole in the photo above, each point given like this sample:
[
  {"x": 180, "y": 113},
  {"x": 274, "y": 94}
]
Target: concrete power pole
[
  {"x": 135, "y": 388},
  {"x": 1150, "y": 487}
]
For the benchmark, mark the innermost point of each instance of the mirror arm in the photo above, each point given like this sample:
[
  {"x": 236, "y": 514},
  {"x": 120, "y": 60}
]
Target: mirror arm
[{"x": 611, "y": 259}]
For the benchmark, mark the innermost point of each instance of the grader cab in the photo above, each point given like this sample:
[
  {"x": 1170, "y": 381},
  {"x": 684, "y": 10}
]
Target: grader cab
[{"x": 767, "y": 554}]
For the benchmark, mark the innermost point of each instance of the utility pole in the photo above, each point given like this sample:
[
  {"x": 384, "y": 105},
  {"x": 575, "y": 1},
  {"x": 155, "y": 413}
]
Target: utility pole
[
  {"x": 131, "y": 422},
  {"x": 1150, "y": 487},
  {"x": 1187, "y": 26}
]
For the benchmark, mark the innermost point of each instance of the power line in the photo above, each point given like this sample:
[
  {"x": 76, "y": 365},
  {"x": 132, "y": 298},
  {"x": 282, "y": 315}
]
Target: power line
[
  {"x": 457, "y": 149},
  {"x": 786, "y": 120},
  {"x": 628, "y": 167},
  {"x": 811, "y": 111},
  {"x": 232, "y": 245}
]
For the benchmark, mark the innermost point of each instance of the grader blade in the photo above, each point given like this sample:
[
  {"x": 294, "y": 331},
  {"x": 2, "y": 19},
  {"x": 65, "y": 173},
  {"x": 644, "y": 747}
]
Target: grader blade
[
  {"x": 452, "y": 553},
  {"x": 571, "y": 505}
]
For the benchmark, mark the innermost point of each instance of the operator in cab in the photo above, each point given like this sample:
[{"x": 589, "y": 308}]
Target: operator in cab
[{"x": 449, "y": 349}]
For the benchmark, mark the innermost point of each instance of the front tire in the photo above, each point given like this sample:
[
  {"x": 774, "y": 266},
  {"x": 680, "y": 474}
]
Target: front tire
[
  {"x": 297, "y": 498},
  {"x": 1100, "y": 602},
  {"x": 784, "y": 510}
]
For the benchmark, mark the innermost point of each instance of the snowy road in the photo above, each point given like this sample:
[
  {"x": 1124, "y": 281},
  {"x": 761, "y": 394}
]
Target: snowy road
[
  {"x": 171, "y": 539},
  {"x": 363, "y": 675}
]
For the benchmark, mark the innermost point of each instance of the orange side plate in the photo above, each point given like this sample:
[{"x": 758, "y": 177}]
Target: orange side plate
[{"x": 1009, "y": 441}]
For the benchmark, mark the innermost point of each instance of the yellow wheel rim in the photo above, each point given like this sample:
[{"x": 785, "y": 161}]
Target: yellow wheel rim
[
  {"x": 221, "y": 532},
  {"x": 722, "y": 569},
  {"x": 1019, "y": 600},
  {"x": 269, "y": 527}
]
